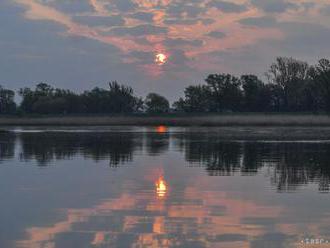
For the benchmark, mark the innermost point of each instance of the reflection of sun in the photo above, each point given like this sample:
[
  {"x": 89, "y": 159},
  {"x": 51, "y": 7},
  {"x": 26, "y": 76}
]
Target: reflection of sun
[
  {"x": 161, "y": 187},
  {"x": 160, "y": 59},
  {"x": 161, "y": 129}
]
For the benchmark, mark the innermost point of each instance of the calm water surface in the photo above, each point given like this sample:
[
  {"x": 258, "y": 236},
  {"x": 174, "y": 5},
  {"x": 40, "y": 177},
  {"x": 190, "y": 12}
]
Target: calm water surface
[{"x": 159, "y": 187}]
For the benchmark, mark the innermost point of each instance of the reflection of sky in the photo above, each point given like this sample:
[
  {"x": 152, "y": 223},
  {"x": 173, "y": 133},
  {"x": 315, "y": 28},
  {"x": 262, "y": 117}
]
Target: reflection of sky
[
  {"x": 79, "y": 42},
  {"x": 199, "y": 212},
  {"x": 120, "y": 208}
]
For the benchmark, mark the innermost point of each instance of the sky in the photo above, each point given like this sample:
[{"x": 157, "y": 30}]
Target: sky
[{"x": 82, "y": 44}]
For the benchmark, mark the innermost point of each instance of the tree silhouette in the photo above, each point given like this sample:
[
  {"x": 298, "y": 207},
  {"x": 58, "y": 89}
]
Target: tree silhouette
[
  {"x": 321, "y": 75},
  {"x": 290, "y": 75},
  {"x": 7, "y": 103},
  {"x": 225, "y": 92},
  {"x": 156, "y": 103},
  {"x": 197, "y": 99}
]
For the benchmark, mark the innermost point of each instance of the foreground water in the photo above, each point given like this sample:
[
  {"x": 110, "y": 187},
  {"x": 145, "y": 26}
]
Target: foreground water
[{"x": 159, "y": 187}]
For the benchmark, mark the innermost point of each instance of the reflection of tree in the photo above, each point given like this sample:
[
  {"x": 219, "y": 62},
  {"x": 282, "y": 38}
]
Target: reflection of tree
[
  {"x": 301, "y": 163},
  {"x": 7, "y": 146},
  {"x": 46, "y": 147},
  {"x": 219, "y": 157},
  {"x": 292, "y": 164},
  {"x": 157, "y": 143}
]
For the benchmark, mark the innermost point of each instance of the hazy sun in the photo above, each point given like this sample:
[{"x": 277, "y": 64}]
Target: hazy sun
[{"x": 160, "y": 59}]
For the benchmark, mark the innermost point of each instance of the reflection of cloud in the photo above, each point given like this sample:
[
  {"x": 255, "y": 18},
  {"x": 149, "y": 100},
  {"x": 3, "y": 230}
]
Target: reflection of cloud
[{"x": 207, "y": 218}]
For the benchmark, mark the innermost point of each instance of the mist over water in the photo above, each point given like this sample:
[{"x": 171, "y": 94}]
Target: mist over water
[{"x": 160, "y": 187}]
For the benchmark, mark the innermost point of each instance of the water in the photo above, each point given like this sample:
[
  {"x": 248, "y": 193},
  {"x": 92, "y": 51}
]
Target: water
[{"x": 159, "y": 187}]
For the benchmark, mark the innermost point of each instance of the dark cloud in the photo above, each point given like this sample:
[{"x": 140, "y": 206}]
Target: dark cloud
[
  {"x": 140, "y": 30},
  {"x": 100, "y": 20},
  {"x": 265, "y": 21},
  {"x": 180, "y": 21},
  {"x": 227, "y": 6},
  {"x": 143, "y": 16},
  {"x": 72, "y": 6},
  {"x": 183, "y": 8},
  {"x": 273, "y": 6},
  {"x": 182, "y": 42},
  {"x": 144, "y": 57},
  {"x": 217, "y": 34},
  {"x": 178, "y": 57},
  {"x": 123, "y": 5}
]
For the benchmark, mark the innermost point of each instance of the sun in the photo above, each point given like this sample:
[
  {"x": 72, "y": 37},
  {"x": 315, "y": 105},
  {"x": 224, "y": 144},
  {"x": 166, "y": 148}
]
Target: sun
[{"x": 160, "y": 59}]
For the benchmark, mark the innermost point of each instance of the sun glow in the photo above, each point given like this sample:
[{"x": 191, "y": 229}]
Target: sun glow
[{"x": 160, "y": 59}]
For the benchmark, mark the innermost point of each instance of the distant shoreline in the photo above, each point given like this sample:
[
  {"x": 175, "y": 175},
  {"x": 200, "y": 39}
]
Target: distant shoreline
[{"x": 224, "y": 120}]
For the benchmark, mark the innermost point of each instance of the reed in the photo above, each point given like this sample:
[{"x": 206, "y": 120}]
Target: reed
[{"x": 173, "y": 120}]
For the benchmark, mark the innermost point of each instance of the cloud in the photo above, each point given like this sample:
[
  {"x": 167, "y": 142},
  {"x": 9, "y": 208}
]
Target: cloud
[
  {"x": 228, "y": 7},
  {"x": 141, "y": 30},
  {"x": 143, "y": 16},
  {"x": 326, "y": 10},
  {"x": 264, "y": 21},
  {"x": 182, "y": 42},
  {"x": 180, "y": 9},
  {"x": 71, "y": 6},
  {"x": 188, "y": 21},
  {"x": 273, "y": 6},
  {"x": 123, "y": 5},
  {"x": 108, "y": 21},
  {"x": 216, "y": 34}
]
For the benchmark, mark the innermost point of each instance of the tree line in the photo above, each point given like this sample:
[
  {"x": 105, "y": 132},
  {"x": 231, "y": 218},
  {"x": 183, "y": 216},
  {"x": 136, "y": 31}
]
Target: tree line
[{"x": 292, "y": 86}]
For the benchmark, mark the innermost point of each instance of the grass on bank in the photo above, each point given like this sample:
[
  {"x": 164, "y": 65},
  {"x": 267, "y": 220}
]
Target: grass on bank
[{"x": 232, "y": 119}]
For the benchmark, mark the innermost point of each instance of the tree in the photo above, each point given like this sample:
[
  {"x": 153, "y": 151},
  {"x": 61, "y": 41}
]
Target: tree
[
  {"x": 32, "y": 99},
  {"x": 7, "y": 103},
  {"x": 45, "y": 99},
  {"x": 321, "y": 77},
  {"x": 225, "y": 92},
  {"x": 197, "y": 99},
  {"x": 257, "y": 97},
  {"x": 156, "y": 103},
  {"x": 122, "y": 98},
  {"x": 290, "y": 75}
]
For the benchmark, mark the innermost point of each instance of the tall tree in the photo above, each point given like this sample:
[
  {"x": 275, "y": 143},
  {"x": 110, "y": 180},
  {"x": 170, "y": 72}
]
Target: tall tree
[
  {"x": 321, "y": 77},
  {"x": 225, "y": 92},
  {"x": 257, "y": 97},
  {"x": 197, "y": 99},
  {"x": 122, "y": 98},
  {"x": 290, "y": 75}
]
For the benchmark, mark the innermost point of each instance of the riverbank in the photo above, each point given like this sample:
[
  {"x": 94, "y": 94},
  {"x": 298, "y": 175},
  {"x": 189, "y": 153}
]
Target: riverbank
[{"x": 173, "y": 120}]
